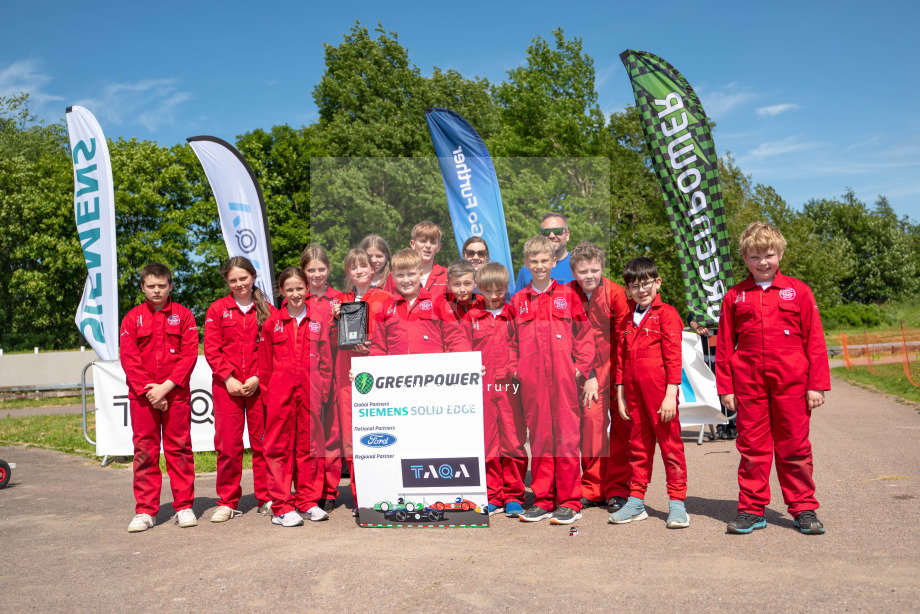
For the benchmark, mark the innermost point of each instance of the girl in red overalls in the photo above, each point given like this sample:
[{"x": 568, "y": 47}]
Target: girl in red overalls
[
  {"x": 295, "y": 367},
  {"x": 231, "y": 345}
]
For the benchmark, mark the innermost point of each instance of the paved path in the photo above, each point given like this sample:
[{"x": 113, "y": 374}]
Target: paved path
[{"x": 64, "y": 544}]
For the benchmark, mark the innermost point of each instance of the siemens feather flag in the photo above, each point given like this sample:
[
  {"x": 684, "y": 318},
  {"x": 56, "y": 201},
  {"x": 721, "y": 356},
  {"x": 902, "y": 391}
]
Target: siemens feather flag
[
  {"x": 240, "y": 205},
  {"x": 473, "y": 198},
  {"x": 680, "y": 143},
  {"x": 94, "y": 208}
]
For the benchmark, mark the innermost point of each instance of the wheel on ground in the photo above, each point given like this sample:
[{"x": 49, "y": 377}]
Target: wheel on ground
[
  {"x": 401, "y": 515},
  {"x": 434, "y": 516},
  {"x": 5, "y": 473}
]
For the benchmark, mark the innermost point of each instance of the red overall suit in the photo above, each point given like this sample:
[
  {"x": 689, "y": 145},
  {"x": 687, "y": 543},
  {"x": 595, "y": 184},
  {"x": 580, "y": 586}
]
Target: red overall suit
[
  {"x": 157, "y": 346},
  {"x": 553, "y": 339},
  {"x": 338, "y": 431},
  {"x": 295, "y": 368},
  {"x": 605, "y": 465},
  {"x": 650, "y": 360},
  {"x": 405, "y": 329},
  {"x": 503, "y": 418},
  {"x": 770, "y": 351},
  {"x": 231, "y": 347},
  {"x": 434, "y": 285}
]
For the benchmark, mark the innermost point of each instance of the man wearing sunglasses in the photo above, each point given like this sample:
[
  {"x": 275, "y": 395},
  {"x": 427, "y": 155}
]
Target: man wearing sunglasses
[{"x": 554, "y": 227}]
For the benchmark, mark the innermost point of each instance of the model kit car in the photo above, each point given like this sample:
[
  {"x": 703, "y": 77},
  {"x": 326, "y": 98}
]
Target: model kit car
[
  {"x": 458, "y": 504},
  {"x": 400, "y": 505},
  {"x": 427, "y": 514}
]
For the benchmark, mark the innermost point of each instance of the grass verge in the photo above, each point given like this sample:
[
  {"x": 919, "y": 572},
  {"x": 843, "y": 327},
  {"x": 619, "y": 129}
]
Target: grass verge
[
  {"x": 888, "y": 379},
  {"x": 44, "y": 402},
  {"x": 65, "y": 434}
]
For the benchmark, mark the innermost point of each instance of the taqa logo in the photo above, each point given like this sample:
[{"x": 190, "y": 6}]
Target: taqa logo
[
  {"x": 432, "y": 472},
  {"x": 314, "y": 326},
  {"x": 202, "y": 407},
  {"x": 378, "y": 440},
  {"x": 560, "y": 303},
  {"x": 787, "y": 294},
  {"x": 173, "y": 320},
  {"x": 364, "y": 382},
  {"x": 425, "y": 305}
]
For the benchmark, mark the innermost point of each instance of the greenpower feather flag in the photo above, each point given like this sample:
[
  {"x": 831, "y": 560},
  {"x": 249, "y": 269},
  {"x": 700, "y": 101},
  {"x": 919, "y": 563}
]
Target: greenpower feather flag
[{"x": 680, "y": 143}]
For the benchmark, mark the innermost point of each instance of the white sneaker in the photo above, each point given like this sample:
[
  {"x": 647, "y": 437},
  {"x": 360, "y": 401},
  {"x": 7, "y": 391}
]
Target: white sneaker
[
  {"x": 186, "y": 518},
  {"x": 141, "y": 522},
  {"x": 291, "y": 519},
  {"x": 265, "y": 509},
  {"x": 317, "y": 513},
  {"x": 224, "y": 513}
]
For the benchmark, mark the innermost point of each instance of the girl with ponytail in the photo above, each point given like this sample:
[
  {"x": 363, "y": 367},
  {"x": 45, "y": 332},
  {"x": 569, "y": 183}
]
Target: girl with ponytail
[{"x": 231, "y": 336}]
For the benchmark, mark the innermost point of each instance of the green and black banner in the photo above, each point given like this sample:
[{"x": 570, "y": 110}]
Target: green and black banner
[{"x": 680, "y": 143}]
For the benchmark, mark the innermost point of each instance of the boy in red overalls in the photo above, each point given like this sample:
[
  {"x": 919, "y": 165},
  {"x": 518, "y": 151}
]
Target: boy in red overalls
[
  {"x": 555, "y": 350},
  {"x": 159, "y": 347},
  {"x": 771, "y": 367},
  {"x": 648, "y": 376}
]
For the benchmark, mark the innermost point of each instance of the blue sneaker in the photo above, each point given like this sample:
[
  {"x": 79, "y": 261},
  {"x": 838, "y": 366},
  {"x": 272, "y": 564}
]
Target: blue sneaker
[
  {"x": 514, "y": 510},
  {"x": 745, "y": 523},
  {"x": 677, "y": 515},
  {"x": 634, "y": 510},
  {"x": 495, "y": 509}
]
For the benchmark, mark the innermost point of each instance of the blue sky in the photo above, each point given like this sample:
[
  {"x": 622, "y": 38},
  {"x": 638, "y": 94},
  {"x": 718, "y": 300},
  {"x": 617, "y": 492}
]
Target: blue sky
[{"x": 809, "y": 97}]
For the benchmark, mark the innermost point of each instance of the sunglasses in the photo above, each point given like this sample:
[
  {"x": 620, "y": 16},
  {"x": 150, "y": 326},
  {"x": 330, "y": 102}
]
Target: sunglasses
[
  {"x": 476, "y": 253},
  {"x": 553, "y": 231}
]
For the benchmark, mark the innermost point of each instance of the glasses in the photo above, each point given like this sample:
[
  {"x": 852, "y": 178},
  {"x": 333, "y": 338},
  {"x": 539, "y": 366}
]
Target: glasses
[
  {"x": 644, "y": 286},
  {"x": 476, "y": 253},
  {"x": 554, "y": 231}
]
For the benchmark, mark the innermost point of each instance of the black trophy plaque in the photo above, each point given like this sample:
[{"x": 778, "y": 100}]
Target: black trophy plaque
[{"x": 352, "y": 324}]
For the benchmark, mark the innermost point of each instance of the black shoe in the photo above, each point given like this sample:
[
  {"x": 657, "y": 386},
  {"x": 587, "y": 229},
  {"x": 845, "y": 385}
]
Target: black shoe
[
  {"x": 731, "y": 432},
  {"x": 807, "y": 522},
  {"x": 535, "y": 514},
  {"x": 585, "y": 502},
  {"x": 564, "y": 515},
  {"x": 720, "y": 432},
  {"x": 327, "y": 505},
  {"x": 615, "y": 503},
  {"x": 744, "y": 523}
]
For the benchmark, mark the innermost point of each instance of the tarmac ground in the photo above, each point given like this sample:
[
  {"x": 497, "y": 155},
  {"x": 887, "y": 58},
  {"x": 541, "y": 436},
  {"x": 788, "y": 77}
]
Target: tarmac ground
[{"x": 64, "y": 544}]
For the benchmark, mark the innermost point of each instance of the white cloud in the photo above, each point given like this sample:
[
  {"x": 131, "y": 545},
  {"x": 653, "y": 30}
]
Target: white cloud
[
  {"x": 776, "y": 109},
  {"x": 721, "y": 101},
  {"x": 24, "y": 76},
  {"x": 776, "y": 148},
  {"x": 603, "y": 75},
  {"x": 149, "y": 102}
]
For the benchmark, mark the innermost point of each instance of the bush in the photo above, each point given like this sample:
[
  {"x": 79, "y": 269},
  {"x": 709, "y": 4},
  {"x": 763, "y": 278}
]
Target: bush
[{"x": 855, "y": 315}]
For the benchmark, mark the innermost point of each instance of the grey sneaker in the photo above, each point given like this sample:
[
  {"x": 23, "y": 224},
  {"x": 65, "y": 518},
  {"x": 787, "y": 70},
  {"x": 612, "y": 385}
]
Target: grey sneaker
[
  {"x": 564, "y": 515},
  {"x": 807, "y": 522},
  {"x": 535, "y": 514}
]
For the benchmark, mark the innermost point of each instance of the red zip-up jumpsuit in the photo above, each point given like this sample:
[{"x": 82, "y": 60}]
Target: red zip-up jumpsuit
[
  {"x": 339, "y": 433},
  {"x": 503, "y": 419},
  {"x": 157, "y": 346},
  {"x": 231, "y": 346},
  {"x": 553, "y": 339},
  {"x": 409, "y": 329},
  {"x": 650, "y": 357},
  {"x": 434, "y": 285},
  {"x": 295, "y": 367},
  {"x": 605, "y": 469},
  {"x": 771, "y": 350}
]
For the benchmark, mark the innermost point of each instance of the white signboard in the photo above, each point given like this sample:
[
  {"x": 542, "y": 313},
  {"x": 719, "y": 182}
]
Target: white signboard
[
  {"x": 698, "y": 402},
  {"x": 417, "y": 431},
  {"x": 113, "y": 414}
]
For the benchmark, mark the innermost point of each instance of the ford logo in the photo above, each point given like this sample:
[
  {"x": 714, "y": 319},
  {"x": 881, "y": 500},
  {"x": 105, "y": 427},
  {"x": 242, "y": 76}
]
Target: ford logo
[{"x": 378, "y": 440}]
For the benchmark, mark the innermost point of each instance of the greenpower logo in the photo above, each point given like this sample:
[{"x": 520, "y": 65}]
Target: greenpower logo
[{"x": 364, "y": 382}]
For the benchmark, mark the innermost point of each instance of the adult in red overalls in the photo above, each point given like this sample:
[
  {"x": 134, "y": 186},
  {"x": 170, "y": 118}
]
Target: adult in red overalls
[
  {"x": 772, "y": 368},
  {"x": 159, "y": 347},
  {"x": 232, "y": 328},
  {"x": 295, "y": 367}
]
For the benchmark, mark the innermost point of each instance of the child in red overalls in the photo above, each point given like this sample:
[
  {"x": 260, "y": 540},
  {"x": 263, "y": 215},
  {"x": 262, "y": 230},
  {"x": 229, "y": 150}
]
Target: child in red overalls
[
  {"x": 159, "y": 348},
  {"x": 232, "y": 327},
  {"x": 295, "y": 367},
  {"x": 648, "y": 377},
  {"x": 772, "y": 368}
]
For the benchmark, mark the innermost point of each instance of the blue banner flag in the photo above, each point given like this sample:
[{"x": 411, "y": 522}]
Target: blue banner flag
[{"x": 473, "y": 197}]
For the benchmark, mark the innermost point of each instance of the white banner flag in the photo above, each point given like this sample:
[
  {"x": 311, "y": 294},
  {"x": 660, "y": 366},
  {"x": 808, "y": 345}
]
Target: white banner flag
[
  {"x": 113, "y": 415},
  {"x": 94, "y": 208},
  {"x": 698, "y": 400},
  {"x": 239, "y": 204}
]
